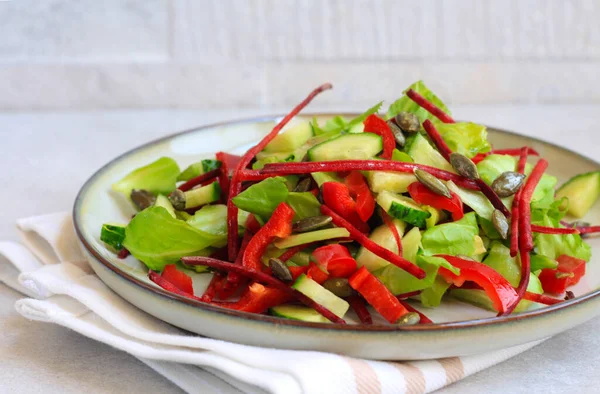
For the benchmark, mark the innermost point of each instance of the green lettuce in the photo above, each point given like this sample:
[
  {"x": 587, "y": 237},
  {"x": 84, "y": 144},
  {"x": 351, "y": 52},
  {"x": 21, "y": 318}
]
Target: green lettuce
[
  {"x": 431, "y": 297},
  {"x": 405, "y": 104},
  {"x": 199, "y": 168},
  {"x": 499, "y": 259},
  {"x": 262, "y": 198},
  {"x": 452, "y": 238},
  {"x": 304, "y": 204},
  {"x": 338, "y": 124},
  {"x": 468, "y": 139},
  {"x": 158, "y": 177},
  {"x": 212, "y": 219},
  {"x": 156, "y": 238},
  {"x": 474, "y": 199},
  {"x": 401, "y": 156}
]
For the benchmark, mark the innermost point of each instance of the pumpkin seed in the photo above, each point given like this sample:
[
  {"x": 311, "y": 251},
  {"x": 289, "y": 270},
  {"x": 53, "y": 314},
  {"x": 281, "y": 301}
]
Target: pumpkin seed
[
  {"x": 464, "y": 166},
  {"x": 280, "y": 270},
  {"x": 303, "y": 186},
  {"x": 398, "y": 134},
  {"x": 338, "y": 286},
  {"x": 177, "y": 198},
  {"x": 507, "y": 183},
  {"x": 311, "y": 223},
  {"x": 500, "y": 223},
  {"x": 410, "y": 319},
  {"x": 142, "y": 198},
  {"x": 569, "y": 295},
  {"x": 432, "y": 183},
  {"x": 408, "y": 122}
]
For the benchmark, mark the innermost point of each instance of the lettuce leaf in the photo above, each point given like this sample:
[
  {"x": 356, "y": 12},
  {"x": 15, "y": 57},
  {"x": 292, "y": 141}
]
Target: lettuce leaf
[
  {"x": 339, "y": 124},
  {"x": 158, "y": 177},
  {"x": 431, "y": 297},
  {"x": 468, "y": 139},
  {"x": 156, "y": 238},
  {"x": 262, "y": 198},
  {"x": 304, "y": 204},
  {"x": 213, "y": 220},
  {"x": 405, "y": 104},
  {"x": 452, "y": 238},
  {"x": 499, "y": 259}
]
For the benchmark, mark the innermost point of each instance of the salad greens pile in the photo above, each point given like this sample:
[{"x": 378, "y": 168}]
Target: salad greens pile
[{"x": 371, "y": 210}]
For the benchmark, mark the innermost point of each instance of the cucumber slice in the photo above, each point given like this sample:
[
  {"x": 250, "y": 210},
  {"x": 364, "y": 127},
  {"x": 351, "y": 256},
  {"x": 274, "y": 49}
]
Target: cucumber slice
[
  {"x": 290, "y": 139},
  {"x": 435, "y": 217},
  {"x": 582, "y": 191},
  {"x": 403, "y": 208},
  {"x": 384, "y": 237},
  {"x": 322, "y": 177},
  {"x": 162, "y": 201},
  {"x": 202, "y": 195},
  {"x": 300, "y": 152},
  {"x": 296, "y": 312},
  {"x": 199, "y": 168},
  {"x": 394, "y": 182},
  {"x": 321, "y": 295},
  {"x": 422, "y": 152},
  {"x": 274, "y": 157},
  {"x": 311, "y": 236},
  {"x": 347, "y": 146}
]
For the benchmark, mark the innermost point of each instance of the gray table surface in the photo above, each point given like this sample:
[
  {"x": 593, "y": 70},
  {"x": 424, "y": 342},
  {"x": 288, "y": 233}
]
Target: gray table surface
[{"x": 45, "y": 157}]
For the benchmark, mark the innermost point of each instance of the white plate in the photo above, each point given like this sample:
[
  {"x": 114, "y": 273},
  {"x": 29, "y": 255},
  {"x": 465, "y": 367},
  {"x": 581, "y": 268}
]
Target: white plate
[{"x": 460, "y": 328}]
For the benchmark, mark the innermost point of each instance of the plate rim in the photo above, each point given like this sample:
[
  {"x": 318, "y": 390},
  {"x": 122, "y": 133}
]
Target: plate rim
[{"x": 359, "y": 328}]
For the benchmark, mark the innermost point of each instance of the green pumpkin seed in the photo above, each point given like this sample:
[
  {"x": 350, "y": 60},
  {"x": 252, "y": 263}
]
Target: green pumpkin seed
[
  {"x": 507, "y": 183},
  {"x": 569, "y": 295},
  {"x": 500, "y": 223},
  {"x": 410, "y": 319},
  {"x": 311, "y": 223},
  {"x": 304, "y": 185},
  {"x": 464, "y": 166},
  {"x": 177, "y": 198},
  {"x": 398, "y": 134},
  {"x": 142, "y": 198},
  {"x": 408, "y": 122},
  {"x": 280, "y": 270},
  {"x": 339, "y": 286},
  {"x": 432, "y": 183}
]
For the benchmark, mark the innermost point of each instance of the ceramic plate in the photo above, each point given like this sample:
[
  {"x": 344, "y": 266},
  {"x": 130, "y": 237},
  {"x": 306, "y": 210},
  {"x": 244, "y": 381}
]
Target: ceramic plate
[{"x": 460, "y": 328}]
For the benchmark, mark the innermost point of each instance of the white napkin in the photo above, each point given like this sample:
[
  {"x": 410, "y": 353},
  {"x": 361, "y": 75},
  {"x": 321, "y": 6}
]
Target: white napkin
[{"x": 65, "y": 291}]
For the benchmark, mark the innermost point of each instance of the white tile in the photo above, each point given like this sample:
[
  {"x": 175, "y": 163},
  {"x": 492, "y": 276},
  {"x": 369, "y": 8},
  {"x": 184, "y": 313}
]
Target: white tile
[{"x": 108, "y": 30}]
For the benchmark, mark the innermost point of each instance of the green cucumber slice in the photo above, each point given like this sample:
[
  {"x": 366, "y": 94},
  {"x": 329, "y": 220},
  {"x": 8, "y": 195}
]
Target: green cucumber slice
[
  {"x": 582, "y": 191},
  {"x": 359, "y": 146},
  {"x": 311, "y": 236},
  {"x": 403, "y": 208},
  {"x": 296, "y": 312},
  {"x": 199, "y": 168},
  {"x": 321, "y": 295},
  {"x": 422, "y": 152},
  {"x": 162, "y": 201},
  {"x": 395, "y": 182},
  {"x": 290, "y": 139},
  {"x": 384, "y": 237},
  {"x": 202, "y": 195}
]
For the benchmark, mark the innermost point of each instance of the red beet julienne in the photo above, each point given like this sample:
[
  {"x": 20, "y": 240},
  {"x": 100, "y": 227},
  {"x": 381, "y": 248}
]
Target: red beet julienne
[
  {"x": 390, "y": 224},
  {"x": 585, "y": 229},
  {"x": 429, "y": 106},
  {"x": 525, "y": 235},
  {"x": 274, "y": 169},
  {"x": 553, "y": 230},
  {"x": 235, "y": 185},
  {"x": 437, "y": 139},
  {"x": 261, "y": 277},
  {"x": 200, "y": 179},
  {"x": 360, "y": 308},
  {"x": 514, "y": 224},
  {"x": 372, "y": 247}
]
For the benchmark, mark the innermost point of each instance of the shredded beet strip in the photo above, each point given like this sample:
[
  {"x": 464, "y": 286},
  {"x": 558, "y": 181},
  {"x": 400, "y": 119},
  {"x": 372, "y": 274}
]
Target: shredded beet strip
[
  {"x": 360, "y": 308},
  {"x": 388, "y": 222},
  {"x": 232, "y": 277},
  {"x": 493, "y": 197},
  {"x": 199, "y": 180},
  {"x": 292, "y": 251},
  {"x": 165, "y": 284},
  {"x": 514, "y": 224},
  {"x": 513, "y": 151},
  {"x": 424, "y": 319},
  {"x": 542, "y": 299},
  {"x": 404, "y": 296},
  {"x": 223, "y": 176},
  {"x": 235, "y": 185},
  {"x": 437, "y": 139},
  {"x": 588, "y": 230},
  {"x": 371, "y": 246},
  {"x": 429, "y": 106},
  {"x": 552, "y": 230},
  {"x": 263, "y": 278},
  {"x": 363, "y": 165},
  {"x": 211, "y": 290},
  {"x": 123, "y": 253}
]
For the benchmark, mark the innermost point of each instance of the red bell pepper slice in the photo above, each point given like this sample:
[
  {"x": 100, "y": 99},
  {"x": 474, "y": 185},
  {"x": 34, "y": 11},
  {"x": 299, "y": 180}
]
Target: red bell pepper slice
[
  {"x": 279, "y": 226},
  {"x": 422, "y": 195},
  {"x": 316, "y": 273},
  {"x": 502, "y": 294},
  {"x": 168, "y": 286},
  {"x": 337, "y": 196},
  {"x": 359, "y": 190},
  {"x": 336, "y": 259},
  {"x": 568, "y": 273},
  {"x": 178, "y": 278},
  {"x": 257, "y": 299},
  {"x": 377, "y": 295},
  {"x": 297, "y": 271},
  {"x": 374, "y": 124}
]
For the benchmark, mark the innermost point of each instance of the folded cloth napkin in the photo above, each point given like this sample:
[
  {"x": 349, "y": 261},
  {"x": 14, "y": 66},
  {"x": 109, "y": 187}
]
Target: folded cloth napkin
[{"x": 51, "y": 270}]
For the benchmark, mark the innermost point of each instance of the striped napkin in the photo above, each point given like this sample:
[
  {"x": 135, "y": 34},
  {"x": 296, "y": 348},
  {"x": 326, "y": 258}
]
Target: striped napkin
[{"x": 49, "y": 268}]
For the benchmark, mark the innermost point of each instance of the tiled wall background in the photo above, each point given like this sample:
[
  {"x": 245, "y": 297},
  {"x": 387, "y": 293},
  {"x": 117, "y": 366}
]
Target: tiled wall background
[{"x": 90, "y": 54}]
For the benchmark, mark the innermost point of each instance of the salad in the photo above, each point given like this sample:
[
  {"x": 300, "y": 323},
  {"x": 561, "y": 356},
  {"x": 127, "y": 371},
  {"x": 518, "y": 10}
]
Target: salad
[{"x": 370, "y": 211}]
